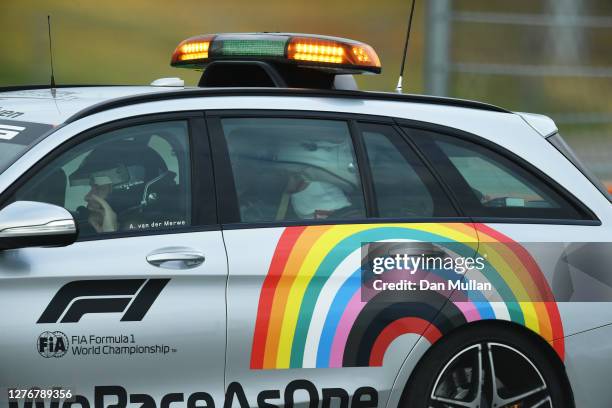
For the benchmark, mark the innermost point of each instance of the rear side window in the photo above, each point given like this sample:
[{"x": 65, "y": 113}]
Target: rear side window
[
  {"x": 293, "y": 169},
  {"x": 403, "y": 186},
  {"x": 489, "y": 184},
  {"x": 560, "y": 144}
]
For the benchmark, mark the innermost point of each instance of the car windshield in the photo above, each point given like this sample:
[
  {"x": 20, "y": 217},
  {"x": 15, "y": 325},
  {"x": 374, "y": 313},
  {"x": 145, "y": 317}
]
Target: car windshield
[{"x": 16, "y": 137}]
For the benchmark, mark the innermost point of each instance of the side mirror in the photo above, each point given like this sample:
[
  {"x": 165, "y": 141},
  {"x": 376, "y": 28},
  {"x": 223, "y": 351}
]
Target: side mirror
[{"x": 33, "y": 224}]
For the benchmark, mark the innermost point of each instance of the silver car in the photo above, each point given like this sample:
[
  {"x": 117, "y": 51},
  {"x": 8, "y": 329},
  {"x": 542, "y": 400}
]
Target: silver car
[{"x": 276, "y": 238}]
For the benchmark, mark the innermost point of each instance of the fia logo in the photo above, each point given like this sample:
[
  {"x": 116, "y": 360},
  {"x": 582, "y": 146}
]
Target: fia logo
[{"x": 52, "y": 344}]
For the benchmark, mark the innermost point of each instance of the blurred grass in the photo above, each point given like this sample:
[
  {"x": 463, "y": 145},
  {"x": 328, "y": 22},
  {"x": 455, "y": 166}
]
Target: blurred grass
[
  {"x": 121, "y": 42},
  {"x": 130, "y": 42}
]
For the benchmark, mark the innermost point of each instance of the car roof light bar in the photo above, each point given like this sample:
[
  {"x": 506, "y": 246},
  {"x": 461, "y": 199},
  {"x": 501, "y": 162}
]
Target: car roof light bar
[{"x": 331, "y": 54}]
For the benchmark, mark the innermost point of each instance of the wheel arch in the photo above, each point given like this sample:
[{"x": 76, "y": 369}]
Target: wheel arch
[{"x": 542, "y": 344}]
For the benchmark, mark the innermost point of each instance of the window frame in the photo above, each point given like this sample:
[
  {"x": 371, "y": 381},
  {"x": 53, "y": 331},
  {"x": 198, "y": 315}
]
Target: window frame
[
  {"x": 203, "y": 198},
  {"x": 407, "y": 146},
  {"x": 590, "y": 218},
  {"x": 565, "y": 149},
  {"x": 229, "y": 214}
]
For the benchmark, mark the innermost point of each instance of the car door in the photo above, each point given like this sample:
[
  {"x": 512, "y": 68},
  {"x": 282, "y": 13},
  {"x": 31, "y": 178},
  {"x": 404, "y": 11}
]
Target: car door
[
  {"x": 303, "y": 195},
  {"x": 548, "y": 252},
  {"x": 134, "y": 311}
]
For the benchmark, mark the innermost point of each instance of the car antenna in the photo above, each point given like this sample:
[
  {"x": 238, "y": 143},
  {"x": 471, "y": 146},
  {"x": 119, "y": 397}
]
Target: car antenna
[
  {"x": 51, "y": 55},
  {"x": 398, "y": 89}
]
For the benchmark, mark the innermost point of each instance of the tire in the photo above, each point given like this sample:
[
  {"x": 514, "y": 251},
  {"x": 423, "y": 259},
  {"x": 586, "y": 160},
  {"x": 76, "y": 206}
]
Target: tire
[{"x": 451, "y": 369}]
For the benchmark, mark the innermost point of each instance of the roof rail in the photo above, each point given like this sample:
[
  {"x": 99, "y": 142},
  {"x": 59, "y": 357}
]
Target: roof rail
[
  {"x": 203, "y": 92},
  {"x": 12, "y": 88}
]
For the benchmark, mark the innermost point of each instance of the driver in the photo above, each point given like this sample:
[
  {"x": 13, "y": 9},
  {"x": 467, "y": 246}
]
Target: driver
[{"x": 118, "y": 174}]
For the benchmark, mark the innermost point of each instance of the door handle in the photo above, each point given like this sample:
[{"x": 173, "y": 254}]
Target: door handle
[{"x": 176, "y": 258}]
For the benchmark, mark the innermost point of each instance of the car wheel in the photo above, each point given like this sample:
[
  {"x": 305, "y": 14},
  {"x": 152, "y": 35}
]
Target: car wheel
[{"x": 487, "y": 367}]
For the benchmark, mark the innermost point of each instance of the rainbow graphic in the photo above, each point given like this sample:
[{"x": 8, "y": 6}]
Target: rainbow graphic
[{"x": 311, "y": 313}]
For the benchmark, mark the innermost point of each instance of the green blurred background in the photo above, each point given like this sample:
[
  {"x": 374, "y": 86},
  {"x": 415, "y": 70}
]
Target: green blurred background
[{"x": 545, "y": 56}]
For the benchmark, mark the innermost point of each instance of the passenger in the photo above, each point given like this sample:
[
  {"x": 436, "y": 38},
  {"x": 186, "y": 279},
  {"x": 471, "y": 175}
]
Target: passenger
[{"x": 315, "y": 199}]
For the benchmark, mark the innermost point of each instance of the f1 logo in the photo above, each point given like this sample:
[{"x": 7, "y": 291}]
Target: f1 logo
[{"x": 78, "y": 298}]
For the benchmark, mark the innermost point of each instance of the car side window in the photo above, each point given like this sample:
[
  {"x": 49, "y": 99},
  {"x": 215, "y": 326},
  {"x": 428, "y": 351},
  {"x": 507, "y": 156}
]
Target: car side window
[
  {"x": 403, "y": 186},
  {"x": 293, "y": 169},
  {"x": 135, "y": 179},
  {"x": 489, "y": 184}
]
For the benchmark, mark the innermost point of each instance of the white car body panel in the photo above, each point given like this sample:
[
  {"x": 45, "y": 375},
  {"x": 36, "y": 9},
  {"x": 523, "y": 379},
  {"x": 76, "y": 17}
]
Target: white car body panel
[{"x": 250, "y": 250}]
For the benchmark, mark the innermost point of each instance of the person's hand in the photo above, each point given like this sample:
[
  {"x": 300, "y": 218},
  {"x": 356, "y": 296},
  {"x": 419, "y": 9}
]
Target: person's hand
[
  {"x": 296, "y": 183},
  {"x": 101, "y": 215}
]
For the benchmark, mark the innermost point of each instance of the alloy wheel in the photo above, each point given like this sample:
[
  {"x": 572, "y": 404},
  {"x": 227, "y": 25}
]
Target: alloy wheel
[{"x": 490, "y": 375}]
